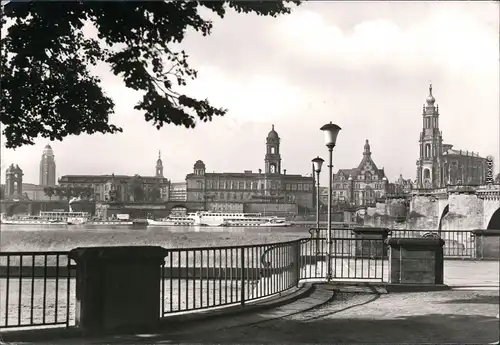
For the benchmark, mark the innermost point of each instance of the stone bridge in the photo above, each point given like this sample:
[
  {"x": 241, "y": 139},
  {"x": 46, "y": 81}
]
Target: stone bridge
[{"x": 451, "y": 208}]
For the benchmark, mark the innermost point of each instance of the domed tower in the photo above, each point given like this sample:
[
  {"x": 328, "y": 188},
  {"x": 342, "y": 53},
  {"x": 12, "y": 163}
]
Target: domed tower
[
  {"x": 159, "y": 166},
  {"x": 429, "y": 170},
  {"x": 47, "y": 167},
  {"x": 199, "y": 168},
  {"x": 273, "y": 157}
]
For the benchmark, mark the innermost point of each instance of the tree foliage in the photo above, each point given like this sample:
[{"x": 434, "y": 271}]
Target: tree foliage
[{"x": 47, "y": 87}]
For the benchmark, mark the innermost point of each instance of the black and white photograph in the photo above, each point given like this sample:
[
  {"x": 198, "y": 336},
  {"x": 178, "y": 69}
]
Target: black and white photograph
[{"x": 249, "y": 172}]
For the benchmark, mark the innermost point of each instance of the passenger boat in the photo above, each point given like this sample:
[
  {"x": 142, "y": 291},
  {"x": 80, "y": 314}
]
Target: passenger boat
[
  {"x": 172, "y": 221},
  {"x": 236, "y": 219},
  {"x": 47, "y": 218}
]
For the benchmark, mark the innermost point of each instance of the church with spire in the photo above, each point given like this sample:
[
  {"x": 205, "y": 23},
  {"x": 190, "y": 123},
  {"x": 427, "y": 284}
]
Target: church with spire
[
  {"x": 271, "y": 186},
  {"x": 439, "y": 164}
]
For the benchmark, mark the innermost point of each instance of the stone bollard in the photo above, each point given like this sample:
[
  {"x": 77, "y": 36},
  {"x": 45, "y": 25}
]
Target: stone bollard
[
  {"x": 371, "y": 244},
  {"x": 117, "y": 288},
  {"x": 416, "y": 264},
  {"x": 487, "y": 244}
]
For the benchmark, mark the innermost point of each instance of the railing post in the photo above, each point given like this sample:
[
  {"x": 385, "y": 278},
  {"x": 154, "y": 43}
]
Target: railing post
[
  {"x": 242, "y": 255},
  {"x": 298, "y": 249}
]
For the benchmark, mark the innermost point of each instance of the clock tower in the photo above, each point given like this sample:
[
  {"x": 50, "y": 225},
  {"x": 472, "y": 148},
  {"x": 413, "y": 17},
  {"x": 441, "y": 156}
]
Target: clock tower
[{"x": 273, "y": 158}]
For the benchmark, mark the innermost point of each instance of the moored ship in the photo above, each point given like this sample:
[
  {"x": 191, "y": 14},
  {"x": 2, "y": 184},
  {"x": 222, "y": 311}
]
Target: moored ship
[
  {"x": 47, "y": 218},
  {"x": 237, "y": 219},
  {"x": 172, "y": 221}
]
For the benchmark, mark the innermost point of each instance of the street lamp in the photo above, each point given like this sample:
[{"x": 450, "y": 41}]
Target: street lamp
[
  {"x": 317, "y": 163},
  {"x": 331, "y": 131}
]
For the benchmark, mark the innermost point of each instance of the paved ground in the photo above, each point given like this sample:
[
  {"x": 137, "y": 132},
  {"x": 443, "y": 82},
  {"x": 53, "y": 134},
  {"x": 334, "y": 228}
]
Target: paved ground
[{"x": 365, "y": 316}]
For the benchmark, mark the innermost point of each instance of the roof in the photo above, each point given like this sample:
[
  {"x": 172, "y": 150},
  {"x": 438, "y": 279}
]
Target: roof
[
  {"x": 248, "y": 174},
  {"x": 104, "y": 177},
  {"x": 272, "y": 134},
  {"x": 463, "y": 153}
]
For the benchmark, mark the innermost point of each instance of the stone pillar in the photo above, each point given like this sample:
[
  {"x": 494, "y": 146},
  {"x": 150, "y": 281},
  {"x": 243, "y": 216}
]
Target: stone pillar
[
  {"x": 487, "y": 244},
  {"x": 416, "y": 264},
  {"x": 370, "y": 242},
  {"x": 117, "y": 288}
]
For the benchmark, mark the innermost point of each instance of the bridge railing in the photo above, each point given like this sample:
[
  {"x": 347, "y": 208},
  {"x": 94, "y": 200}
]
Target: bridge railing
[
  {"x": 459, "y": 244},
  {"x": 199, "y": 278},
  {"x": 36, "y": 289}
]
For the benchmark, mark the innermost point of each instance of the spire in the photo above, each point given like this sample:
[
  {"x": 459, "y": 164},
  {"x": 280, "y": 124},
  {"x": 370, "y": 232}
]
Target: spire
[
  {"x": 367, "y": 148},
  {"x": 430, "y": 98},
  {"x": 159, "y": 154},
  {"x": 272, "y": 128}
]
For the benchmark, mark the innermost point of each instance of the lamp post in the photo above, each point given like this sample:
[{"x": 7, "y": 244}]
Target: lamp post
[
  {"x": 317, "y": 163},
  {"x": 331, "y": 132}
]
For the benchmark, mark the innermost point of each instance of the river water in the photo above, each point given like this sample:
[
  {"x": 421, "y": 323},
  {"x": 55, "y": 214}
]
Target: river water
[{"x": 44, "y": 238}]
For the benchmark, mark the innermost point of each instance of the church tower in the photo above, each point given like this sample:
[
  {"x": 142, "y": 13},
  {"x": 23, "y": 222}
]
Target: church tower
[
  {"x": 429, "y": 172},
  {"x": 47, "y": 167},
  {"x": 159, "y": 166},
  {"x": 273, "y": 157}
]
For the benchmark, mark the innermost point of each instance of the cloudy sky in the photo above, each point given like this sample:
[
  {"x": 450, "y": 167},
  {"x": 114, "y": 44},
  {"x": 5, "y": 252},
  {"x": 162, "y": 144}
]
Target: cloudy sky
[{"x": 363, "y": 65}]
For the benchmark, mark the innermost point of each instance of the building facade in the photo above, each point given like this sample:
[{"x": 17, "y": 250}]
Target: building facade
[
  {"x": 273, "y": 185},
  {"x": 439, "y": 164},
  {"x": 178, "y": 191},
  {"x": 400, "y": 186},
  {"x": 123, "y": 188},
  {"x": 47, "y": 167},
  {"x": 362, "y": 185}
]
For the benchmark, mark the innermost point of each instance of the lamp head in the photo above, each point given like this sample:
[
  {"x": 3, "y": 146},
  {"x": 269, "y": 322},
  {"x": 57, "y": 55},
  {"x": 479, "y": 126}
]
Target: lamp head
[
  {"x": 317, "y": 162},
  {"x": 331, "y": 131}
]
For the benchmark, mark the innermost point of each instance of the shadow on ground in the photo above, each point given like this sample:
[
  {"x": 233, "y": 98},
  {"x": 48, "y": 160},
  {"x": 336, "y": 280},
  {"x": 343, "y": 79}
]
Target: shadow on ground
[
  {"x": 433, "y": 328},
  {"x": 476, "y": 300}
]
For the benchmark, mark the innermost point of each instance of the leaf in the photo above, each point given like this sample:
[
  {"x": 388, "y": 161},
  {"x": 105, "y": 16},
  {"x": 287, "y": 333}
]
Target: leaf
[{"x": 48, "y": 91}]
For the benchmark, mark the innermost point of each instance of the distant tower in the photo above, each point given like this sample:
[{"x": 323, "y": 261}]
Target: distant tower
[
  {"x": 366, "y": 151},
  {"x": 199, "y": 168},
  {"x": 13, "y": 181},
  {"x": 273, "y": 157},
  {"x": 159, "y": 166},
  {"x": 429, "y": 174},
  {"x": 47, "y": 167}
]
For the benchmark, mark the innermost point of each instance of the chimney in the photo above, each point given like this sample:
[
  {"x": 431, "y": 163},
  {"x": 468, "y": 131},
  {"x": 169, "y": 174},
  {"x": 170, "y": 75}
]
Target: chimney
[
  {"x": 260, "y": 171},
  {"x": 284, "y": 171}
]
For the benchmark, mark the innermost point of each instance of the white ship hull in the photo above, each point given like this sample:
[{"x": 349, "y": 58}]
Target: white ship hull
[
  {"x": 171, "y": 222},
  {"x": 31, "y": 222},
  {"x": 76, "y": 220},
  {"x": 280, "y": 225}
]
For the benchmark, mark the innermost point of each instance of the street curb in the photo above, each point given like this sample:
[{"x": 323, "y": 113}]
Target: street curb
[{"x": 169, "y": 322}]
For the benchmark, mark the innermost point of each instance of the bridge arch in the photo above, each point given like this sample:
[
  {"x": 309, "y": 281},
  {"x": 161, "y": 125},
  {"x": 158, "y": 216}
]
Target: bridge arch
[
  {"x": 446, "y": 210},
  {"x": 178, "y": 210},
  {"x": 494, "y": 222}
]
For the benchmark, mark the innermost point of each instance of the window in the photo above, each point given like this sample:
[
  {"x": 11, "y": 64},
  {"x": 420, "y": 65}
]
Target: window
[
  {"x": 273, "y": 150},
  {"x": 294, "y": 186},
  {"x": 242, "y": 185},
  {"x": 287, "y": 186},
  {"x": 299, "y": 186}
]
